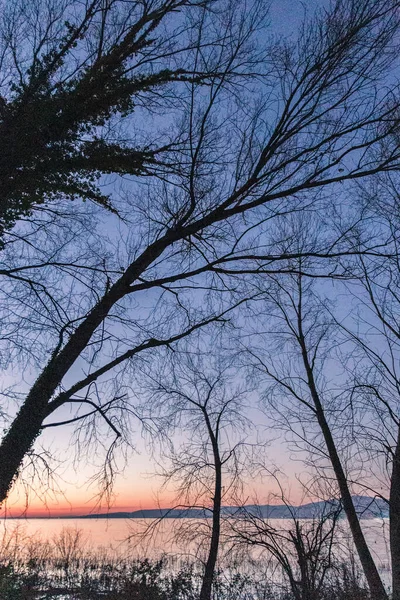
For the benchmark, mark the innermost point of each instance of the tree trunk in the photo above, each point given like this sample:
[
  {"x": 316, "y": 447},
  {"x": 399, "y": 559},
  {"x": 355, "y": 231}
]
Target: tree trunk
[
  {"x": 27, "y": 424},
  {"x": 37, "y": 405},
  {"x": 206, "y": 586},
  {"x": 394, "y": 514},
  {"x": 18, "y": 441},
  {"x": 372, "y": 576}
]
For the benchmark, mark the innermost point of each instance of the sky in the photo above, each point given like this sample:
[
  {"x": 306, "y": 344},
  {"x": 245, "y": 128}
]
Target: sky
[{"x": 135, "y": 488}]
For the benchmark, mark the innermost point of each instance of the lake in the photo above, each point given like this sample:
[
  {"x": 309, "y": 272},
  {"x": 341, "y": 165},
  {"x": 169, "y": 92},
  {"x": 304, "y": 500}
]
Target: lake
[
  {"x": 176, "y": 536},
  {"x": 179, "y": 540}
]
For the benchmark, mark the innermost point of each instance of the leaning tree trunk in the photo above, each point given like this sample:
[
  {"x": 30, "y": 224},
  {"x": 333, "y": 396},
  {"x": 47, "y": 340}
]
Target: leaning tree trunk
[
  {"x": 394, "y": 521},
  {"x": 18, "y": 441},
  {"x": 372, "y": 576},
  {"x": 27, "y": 425}
]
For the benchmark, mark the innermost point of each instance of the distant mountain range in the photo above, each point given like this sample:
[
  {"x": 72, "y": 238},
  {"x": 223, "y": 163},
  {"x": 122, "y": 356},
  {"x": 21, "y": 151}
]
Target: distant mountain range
[{"x": 367, "y": 508}]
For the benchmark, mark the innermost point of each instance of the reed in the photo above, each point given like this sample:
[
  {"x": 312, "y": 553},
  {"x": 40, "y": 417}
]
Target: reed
[{"x": 68, "y": 568}]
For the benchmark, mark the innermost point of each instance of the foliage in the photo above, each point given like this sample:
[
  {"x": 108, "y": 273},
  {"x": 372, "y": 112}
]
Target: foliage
[{"x": 67, "y": 69}]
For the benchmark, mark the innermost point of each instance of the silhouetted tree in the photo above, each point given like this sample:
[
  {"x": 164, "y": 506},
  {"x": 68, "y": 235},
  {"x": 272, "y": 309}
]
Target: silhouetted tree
[
  {"x": 299, "y": 322},
  {"x": 374, "y": 381},
  {"x": 303, "y": 548},
  {"x": 196, "y": 396},
  {"x": 69, "y": 73},
  {"x": 314, "y": 114}
]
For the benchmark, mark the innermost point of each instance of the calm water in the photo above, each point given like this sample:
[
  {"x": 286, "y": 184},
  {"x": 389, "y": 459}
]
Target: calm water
[
  {"x": 133, "y": 537},
  {"x": 179, "y": 539},
  {"x": 179, "y": 536}
]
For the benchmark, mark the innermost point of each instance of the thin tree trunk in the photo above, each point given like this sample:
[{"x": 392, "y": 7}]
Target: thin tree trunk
[
  {"x": 372, "y": 576},
  {"x": 394, "y": 514},
  {"x": 206, "y": 586}
]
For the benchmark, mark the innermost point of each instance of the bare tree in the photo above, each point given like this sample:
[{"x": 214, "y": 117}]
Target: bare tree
[
  {"x": 304, "y": 402},
  {"x": 314, "y": 114},
  {"x": 374, "y": 382},
  {"x": 199, "y": 398},
  {"x": 304, "y": 548}
]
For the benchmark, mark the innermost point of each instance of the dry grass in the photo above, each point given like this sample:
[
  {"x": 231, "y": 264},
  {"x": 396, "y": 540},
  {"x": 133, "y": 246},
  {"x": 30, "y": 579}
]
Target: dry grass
[{"x": 67, "y": 568}]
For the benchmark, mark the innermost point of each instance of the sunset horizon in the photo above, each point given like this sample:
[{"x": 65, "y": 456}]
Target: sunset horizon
[
  {"x": 200, "y": 299},
  {"x": 31, "y": 512}
]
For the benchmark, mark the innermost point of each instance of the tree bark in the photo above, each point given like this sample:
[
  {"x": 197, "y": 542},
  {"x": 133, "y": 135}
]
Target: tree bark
[
  {"x": 206, "y": 586},
  {"x": 18, "y": 441},
  {"x": 372, "y": 576},
  {"x": 28, "y": 422},
  {"x": 394, "y": 520}
]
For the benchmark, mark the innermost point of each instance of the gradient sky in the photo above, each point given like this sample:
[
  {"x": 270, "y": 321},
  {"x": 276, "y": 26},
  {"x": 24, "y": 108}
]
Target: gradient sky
[{"x": 136, "y": 488}]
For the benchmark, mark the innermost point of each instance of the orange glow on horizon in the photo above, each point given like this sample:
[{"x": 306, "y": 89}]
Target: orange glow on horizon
[
  {"x": 57, "y": 510},
  {"x": 16, "y": 512},
  {"x": 37, "y": 510},
  {"x": 80, "y": 501}
]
